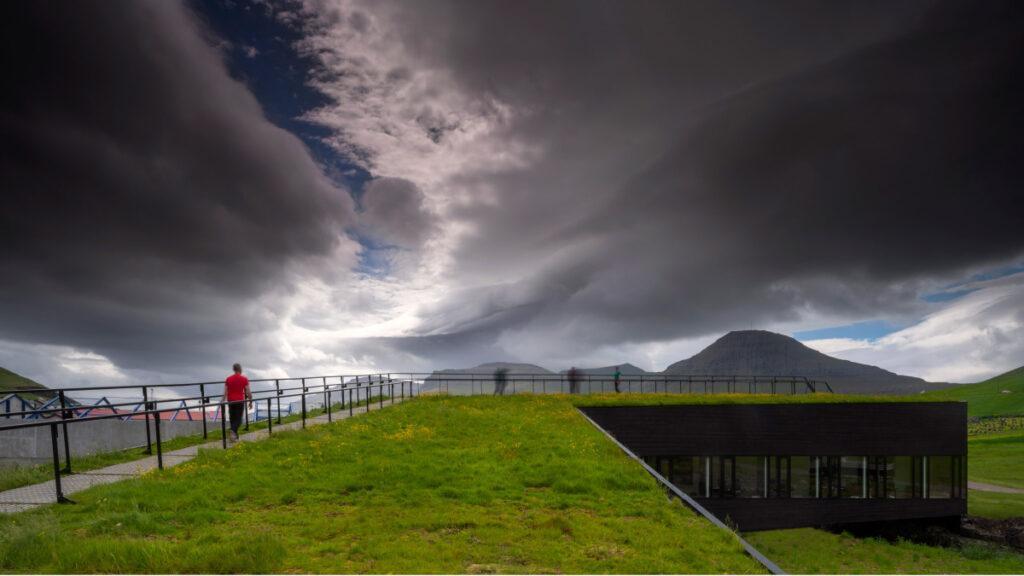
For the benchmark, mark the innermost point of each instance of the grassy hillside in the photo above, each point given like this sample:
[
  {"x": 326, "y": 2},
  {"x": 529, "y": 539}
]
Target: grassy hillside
[
  {"x": 988, "y": 398},
  {"x": 13, "y": 381},
  {"x": 435, "y": 485},
  {"x": 811, "y": 551},
  {"x": 997, "y": 459}
]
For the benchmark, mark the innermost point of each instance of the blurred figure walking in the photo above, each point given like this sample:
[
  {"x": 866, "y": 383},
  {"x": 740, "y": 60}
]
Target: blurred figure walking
[
  {"x": 574, "y": 380},
  {"x": 236, "y": 392},
  {"x": 617, "y": 377},
  {"x": 500, "y": 381}
]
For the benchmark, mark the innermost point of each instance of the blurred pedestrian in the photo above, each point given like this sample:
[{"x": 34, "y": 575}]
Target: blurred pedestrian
[
  {"x": 500, "y": 381},
  {"x": 617, "y": 377},
  {"x": 574, "y": 380}
]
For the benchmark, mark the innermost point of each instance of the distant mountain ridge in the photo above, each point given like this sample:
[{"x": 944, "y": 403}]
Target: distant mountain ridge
[
  {"x": 763, "y": 353},
  {"x": 490, "y": 367},
  {"x": 626, "y": 369}
]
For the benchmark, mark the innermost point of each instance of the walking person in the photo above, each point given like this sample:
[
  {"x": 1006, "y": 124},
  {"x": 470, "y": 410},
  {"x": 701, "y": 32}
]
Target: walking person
[
  {"x": 617, "y": 377},
  {"x": 236, "y": 393},
  {"x": 500, "y": 381},
  {"x": 574, "y": 380}
]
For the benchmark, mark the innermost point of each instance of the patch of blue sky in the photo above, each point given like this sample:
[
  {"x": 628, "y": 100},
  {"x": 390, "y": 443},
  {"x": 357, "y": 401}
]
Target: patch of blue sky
[
  {"x": 375, "y": 259},
  {"x": 262, "y": 56},
  {"x": 867, "y": 330},
  {"x": 959, "y": 289}
]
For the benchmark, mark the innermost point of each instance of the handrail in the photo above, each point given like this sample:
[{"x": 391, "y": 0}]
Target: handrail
[
  {"x": 153, "y": 410},
  {"x": 442, "y": 375},
  {"x": 69, "y": 412}
]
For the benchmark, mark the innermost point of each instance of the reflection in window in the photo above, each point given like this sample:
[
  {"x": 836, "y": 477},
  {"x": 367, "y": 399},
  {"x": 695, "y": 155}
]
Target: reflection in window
[
  {"x": 750, "y": 477},
  {"x": 902, "y": 477},
  {"x": 686, "y": 472},
  {"x": 896, "y": 477},
  {"x": 940, "y": 477},
  {"x": 803, "y": 477},
  {"x": 853, "y": 476}
]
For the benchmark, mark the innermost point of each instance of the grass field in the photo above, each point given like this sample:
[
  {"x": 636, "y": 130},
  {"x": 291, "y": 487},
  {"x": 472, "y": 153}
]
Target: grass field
[
  {"x": 812, "y": 551},
  {"x": 438, "y": 484},
  {"x": 995, "y": 505},
  {"x": 18, "y": 476},
  {"x": 988, "y": 398},
  {"x": 996, "y": 459}
]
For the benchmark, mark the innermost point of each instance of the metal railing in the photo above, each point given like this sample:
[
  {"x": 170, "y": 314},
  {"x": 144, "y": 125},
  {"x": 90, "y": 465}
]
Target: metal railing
[
  {"x": 548, "y": 383},
  {"x": 337, "y": 393},
  {"x": 344, "y": 391}
]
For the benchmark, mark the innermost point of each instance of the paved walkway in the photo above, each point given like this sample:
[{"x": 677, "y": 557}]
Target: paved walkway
[
  {"x": 28, "y": 497},
  {"x": 983, "y": 487}
]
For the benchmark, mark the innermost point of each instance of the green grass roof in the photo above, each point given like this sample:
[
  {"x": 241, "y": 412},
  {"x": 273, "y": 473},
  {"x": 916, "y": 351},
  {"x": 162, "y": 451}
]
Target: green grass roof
[
  {"x": 439, "y": 484},
  {"x": 709, "y": 399},
  {"x": 1002, "y": 395}
]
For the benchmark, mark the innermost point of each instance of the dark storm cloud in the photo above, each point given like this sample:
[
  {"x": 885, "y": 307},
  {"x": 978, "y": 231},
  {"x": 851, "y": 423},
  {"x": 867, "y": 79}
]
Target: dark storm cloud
[
  {"x": 720, "y": 165},
  {"x": 394, "y": 213},
  {"x": 147, "y": 201}
]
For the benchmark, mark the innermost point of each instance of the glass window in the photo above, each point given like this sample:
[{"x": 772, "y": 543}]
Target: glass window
[
  {"x": 902, "y": 477},
  {"x": 802, "y": 477},
  {"x": 686, "y": 474},
  {"x": 940, "y": 477},
  {"x": 722, "y": 474},
  {"x": 853, "y": 477},
  {"x": 750, "y": 477}
]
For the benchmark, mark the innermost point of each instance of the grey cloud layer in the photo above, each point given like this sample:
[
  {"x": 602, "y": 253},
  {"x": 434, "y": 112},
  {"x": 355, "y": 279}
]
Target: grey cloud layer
[
  {"x": 722, "y": 165},
  {"x": 148, "y": 204}
]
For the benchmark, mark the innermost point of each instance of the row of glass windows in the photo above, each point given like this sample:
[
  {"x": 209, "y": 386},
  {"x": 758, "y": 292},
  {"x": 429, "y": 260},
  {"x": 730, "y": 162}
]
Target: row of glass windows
[{"x": 815, "y": 476}]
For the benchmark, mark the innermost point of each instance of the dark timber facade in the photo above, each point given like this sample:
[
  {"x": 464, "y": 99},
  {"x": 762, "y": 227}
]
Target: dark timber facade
[{"x": 766, "y": 466}]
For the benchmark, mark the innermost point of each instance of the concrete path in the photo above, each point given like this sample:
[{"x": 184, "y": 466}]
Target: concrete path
[
  {"x": 28, "y": 497},
  {"x": 983, "y": 487}
]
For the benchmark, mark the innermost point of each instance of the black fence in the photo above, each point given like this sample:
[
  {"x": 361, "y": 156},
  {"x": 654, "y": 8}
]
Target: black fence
[
  {"x": 59, "y": 410},
  {"x": 547, "y": 383},
  {"x": 335, "y": 392}
]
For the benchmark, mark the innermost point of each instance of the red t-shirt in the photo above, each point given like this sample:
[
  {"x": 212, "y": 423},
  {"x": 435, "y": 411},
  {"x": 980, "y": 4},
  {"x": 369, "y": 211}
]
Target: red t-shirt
[{"x": 234, "y": 387}]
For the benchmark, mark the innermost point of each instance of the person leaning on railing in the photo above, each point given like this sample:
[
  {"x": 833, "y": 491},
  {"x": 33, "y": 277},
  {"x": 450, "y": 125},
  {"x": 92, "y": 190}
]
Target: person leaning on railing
[{"x": 236, "y": 392}]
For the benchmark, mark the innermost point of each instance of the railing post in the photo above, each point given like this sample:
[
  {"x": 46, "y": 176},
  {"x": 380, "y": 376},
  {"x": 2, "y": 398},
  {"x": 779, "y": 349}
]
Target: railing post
[
  {"x": 245, "y": 410},
  {"x": 277, "y": 386},
  {"x": 349, "y": 401},
  {"x": 327, "y": 399},
  {"x": 56, "y": 465},
  {"x": 159, "y": 447},
  {"x": 223, "y": 425},
  {"x": 145, "y": 402},
  {"x": 381, "y": 395},
  {"x": 303, "y": 402},
  {"x": 202, "y": 403},
  {"x": 64, "y": 429},
  {"x": 270, "y": 421}
]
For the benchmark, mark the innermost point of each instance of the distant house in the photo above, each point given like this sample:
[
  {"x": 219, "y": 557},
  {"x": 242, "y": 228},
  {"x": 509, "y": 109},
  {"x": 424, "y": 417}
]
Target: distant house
[{"x": 17, "y": 402}]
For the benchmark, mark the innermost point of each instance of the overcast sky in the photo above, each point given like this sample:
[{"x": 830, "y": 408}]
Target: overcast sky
[{"x": 334, "y": 186}]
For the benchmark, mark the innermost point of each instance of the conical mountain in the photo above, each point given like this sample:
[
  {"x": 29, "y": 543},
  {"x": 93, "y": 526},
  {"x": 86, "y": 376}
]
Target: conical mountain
[{"x": 763, "y": 353}]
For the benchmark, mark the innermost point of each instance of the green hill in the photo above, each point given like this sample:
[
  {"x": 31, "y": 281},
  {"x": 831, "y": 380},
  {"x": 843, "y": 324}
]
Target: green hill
[
  {"x": 12, "y": 381},
  {"x": 1002, "y": 395}
]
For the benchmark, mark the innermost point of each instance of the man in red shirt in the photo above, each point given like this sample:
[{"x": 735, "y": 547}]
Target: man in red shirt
[{"x": 236, "y": 392}]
